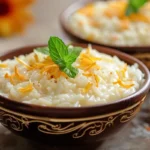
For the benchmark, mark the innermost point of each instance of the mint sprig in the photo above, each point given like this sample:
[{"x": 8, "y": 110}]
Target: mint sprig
[
  {"x": 73, "y": 53},
  {"x": 134, "y": 6},
  {"x": 57, "y": 48},
  {"x": 62, "y": 55},
  {"x": 44, "y": 50}
]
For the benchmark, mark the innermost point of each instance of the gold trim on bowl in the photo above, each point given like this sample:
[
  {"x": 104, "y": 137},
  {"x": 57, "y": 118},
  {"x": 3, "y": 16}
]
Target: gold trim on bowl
[
  {"x": 59, "y": 126},
  {"x": 72, "y": 119}
]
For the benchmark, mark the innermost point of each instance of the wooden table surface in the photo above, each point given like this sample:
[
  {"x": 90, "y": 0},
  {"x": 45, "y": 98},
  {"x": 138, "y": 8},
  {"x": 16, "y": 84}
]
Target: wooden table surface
[{"x": 46, "y": 12}]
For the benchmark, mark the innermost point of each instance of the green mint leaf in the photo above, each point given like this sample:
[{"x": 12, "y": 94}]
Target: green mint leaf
[
  {"x": 138, "y": 3},
  {"x": 75, "y": 50},
  {"x": 130, "y": 10},
  {"x": 134, "y": 6},
  {"x": 71, "y": 71},
  {"x": 73, "y": 54},
  {"x": 61, "y": 64},
  {"x": 44, "y": 50},
  {"x": 57, "y": 48},
  {"x": 64, "y": 56}
]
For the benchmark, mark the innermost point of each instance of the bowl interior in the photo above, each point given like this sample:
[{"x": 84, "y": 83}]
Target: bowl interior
[{"x": 82, "y": 111}]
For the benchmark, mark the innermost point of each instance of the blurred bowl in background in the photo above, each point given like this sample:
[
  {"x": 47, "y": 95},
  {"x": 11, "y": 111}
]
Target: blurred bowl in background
[{"x": 64, "y": 20}]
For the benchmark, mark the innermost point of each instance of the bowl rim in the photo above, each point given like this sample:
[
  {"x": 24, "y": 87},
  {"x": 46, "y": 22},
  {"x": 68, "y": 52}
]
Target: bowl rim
[
  {"x": 145, "y": 87},
  {"x": 65, "y": 25}
]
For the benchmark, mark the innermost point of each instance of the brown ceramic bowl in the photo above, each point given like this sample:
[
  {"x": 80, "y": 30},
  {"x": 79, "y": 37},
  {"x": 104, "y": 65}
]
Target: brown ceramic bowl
[
  {"x": 72, "y": 126},
  {"x": 64, "y": 20}
]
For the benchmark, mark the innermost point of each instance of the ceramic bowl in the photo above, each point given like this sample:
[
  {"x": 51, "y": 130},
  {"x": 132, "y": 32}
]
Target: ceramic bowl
[
  {"x": 72, "y": 126},
  {"x": 64, "y": 20}
]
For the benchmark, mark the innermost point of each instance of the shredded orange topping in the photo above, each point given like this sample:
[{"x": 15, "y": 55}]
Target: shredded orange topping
[
  {"x": 81, "y": 23},
  {"x": 27, "y": 88},
  {"x": 118, "y": 8},
  {"x": 94, "y": 23},
  {"x": 124, "y": 24},
  {"x": 88, "y": 64},
  {"x": 87, "y": 10},
  {"x": 97, "y": 79},
  {"x": 23, "y": 63},
  {"x": 90, "y": 37},
  {"x": 3, "y": 65},
  {"x": 139, "y": 17},
  {"x": 121, "y": 76},
  {"x": 15, "y": 76},
  {"x": 115, "y": 9},
  {"x": 36, "y": 57},
  {"x": 123, "y": 84},
  {"x": 122, "y": 73},
  {"x": 18, "y": 75},
  {"x": 7, "y": 76},
  {"x": 87, "y": 87},
  {"x": 46, "y": 66},
  {"x": 87, "y": 74},
  {"x": 49, "y": 67},
  {"x": 10, "y": 77}
]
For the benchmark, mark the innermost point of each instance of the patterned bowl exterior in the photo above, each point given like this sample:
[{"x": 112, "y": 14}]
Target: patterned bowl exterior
[
  {"x": 63, "y": 126},
  {"x": 67, "y": 130}
]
